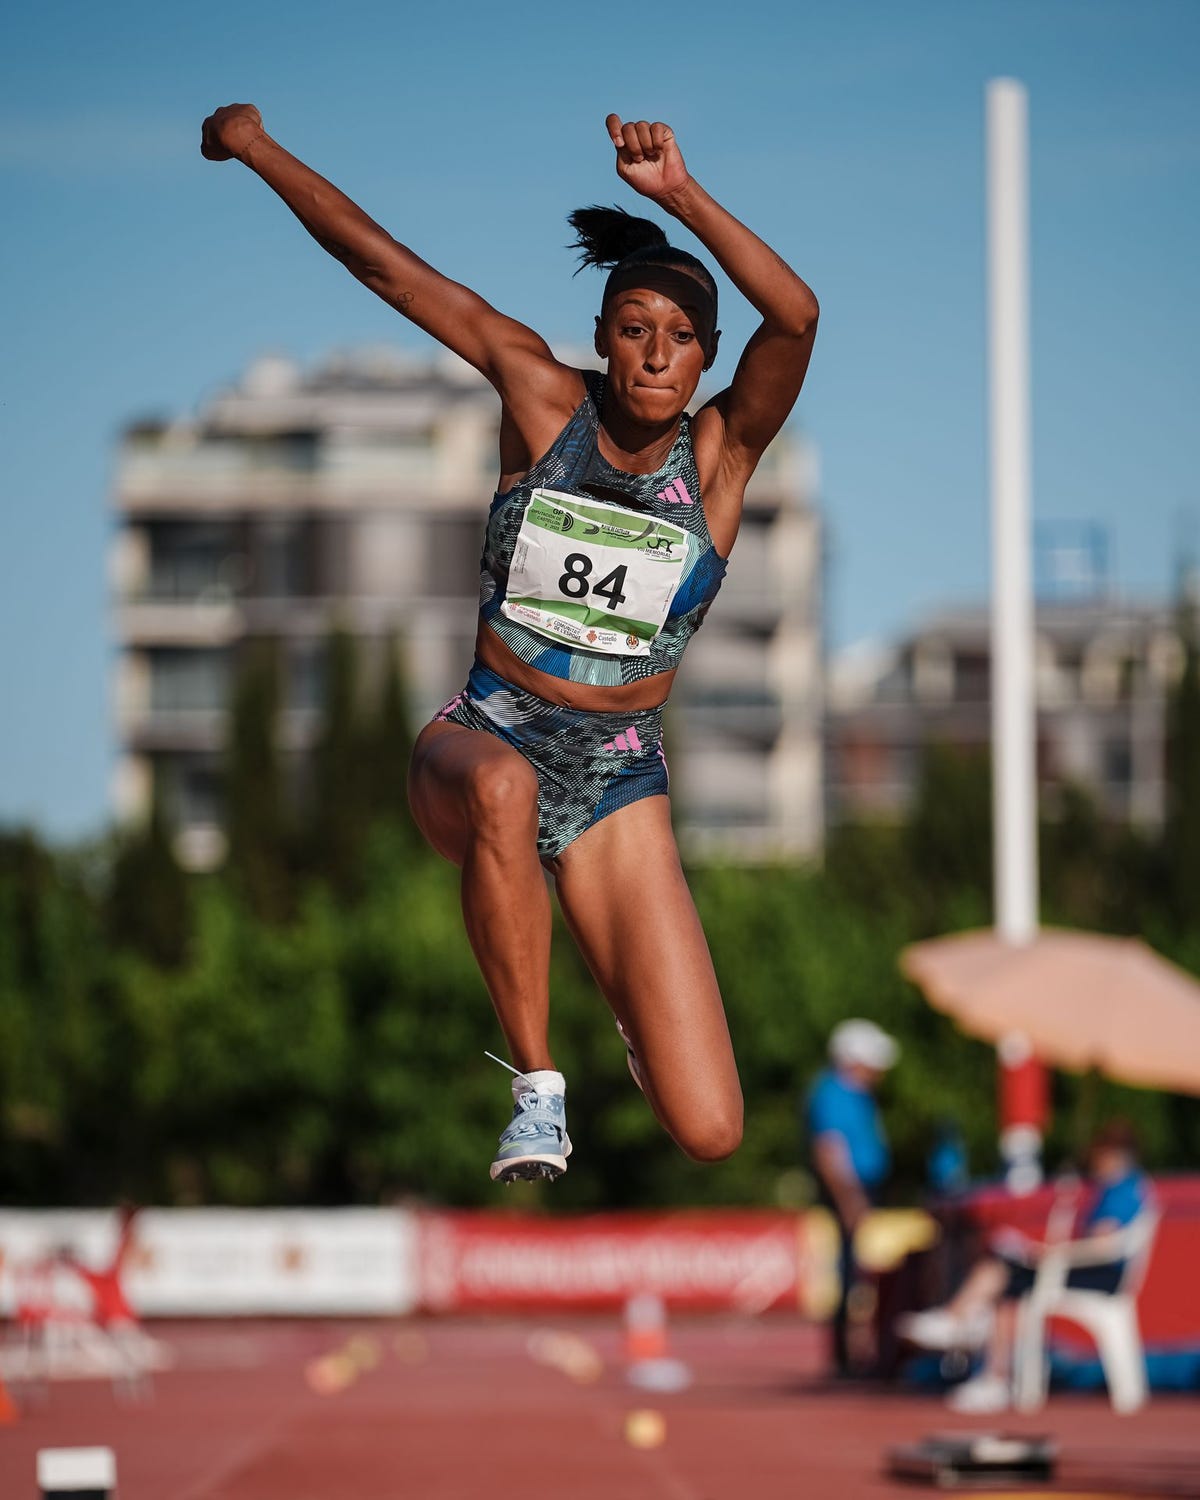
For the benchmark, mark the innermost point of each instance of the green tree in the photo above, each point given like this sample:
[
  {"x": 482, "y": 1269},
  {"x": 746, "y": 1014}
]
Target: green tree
[
  {"x": 339, "y": 811},
  {"x": 387, "y": 742},
  {"x": 149, "y": 903},
  {"x": 296, "y": 1061},
  {"x": 52, "y": 1057},
  {"x": 31, "y": 1103},
  {"x": 868, "y": 864},
  {"x": 256, "y": 823},
  {"x": 948, "y": 840},
  {"x": 1181, "y": 841},
  {"x": 258, "y": 1038}
]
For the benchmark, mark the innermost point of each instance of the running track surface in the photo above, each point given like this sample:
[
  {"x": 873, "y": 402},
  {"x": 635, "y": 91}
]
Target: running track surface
[{"x": 461, "y": 1410}]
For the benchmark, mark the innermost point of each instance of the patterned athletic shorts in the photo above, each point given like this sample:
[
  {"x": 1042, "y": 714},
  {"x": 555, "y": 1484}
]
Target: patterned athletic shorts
[{"x": 587, "y": 764}]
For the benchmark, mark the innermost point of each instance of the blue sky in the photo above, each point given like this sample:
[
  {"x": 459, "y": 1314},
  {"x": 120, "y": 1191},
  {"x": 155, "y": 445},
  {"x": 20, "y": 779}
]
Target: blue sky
[{"x": 137, "y": 278}]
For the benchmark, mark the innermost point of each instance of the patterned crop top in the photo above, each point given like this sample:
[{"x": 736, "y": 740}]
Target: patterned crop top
[{"x": 595, "y": 575}]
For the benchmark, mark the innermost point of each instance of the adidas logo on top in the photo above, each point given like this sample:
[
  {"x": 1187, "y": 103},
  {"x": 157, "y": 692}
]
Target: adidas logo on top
[{"x": 676, "y": 493}]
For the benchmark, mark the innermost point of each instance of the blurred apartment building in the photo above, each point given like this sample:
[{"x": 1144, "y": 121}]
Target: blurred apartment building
[
  {"x": 1103, "y": 673},
  {"x": 356, "y": 492}
]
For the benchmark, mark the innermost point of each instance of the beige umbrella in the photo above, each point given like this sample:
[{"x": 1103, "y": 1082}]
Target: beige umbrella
[{"x": 1083, "y": 1000}]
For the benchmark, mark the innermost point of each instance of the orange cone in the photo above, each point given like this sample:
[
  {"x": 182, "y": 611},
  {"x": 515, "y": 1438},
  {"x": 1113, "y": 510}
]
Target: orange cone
[
  {"x": 647, "y": 1363},
  {"x": 645, "y": 1328}
]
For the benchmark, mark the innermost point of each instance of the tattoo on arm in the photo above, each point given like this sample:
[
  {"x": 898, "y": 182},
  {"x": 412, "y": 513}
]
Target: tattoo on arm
[{"x": 404, "y": 302}]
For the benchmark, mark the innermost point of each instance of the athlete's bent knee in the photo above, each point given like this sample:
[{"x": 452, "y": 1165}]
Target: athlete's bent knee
[
  {"x": 501, "y": 792},
  {"x": 713, "y": 1138}
]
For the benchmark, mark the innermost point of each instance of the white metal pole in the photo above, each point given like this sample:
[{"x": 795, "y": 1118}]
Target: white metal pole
[
  {"x": 1014, "y": 788},
  {"x": 1014, "y": 800}
]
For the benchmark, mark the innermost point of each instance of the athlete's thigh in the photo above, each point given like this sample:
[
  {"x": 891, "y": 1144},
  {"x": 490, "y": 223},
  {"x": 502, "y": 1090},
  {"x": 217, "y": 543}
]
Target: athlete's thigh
[
  {"x": 456, "y": 773},
  {"x": 625, "y": 899}
]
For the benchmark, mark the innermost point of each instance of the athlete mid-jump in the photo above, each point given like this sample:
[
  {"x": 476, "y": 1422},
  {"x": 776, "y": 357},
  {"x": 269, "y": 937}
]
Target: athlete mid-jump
[{"x": 606, "y": 542}]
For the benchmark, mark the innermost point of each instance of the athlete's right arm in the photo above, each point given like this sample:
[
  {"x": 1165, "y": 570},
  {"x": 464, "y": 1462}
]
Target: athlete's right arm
[{"x": 516, "y": 360}]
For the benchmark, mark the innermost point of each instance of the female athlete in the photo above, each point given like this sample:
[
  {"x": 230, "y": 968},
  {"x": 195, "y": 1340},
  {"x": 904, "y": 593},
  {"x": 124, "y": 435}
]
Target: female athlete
[{"x": 606, "y": 542}]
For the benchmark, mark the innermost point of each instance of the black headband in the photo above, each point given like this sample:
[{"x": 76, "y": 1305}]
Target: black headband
[{"x": 629, "y": 271}]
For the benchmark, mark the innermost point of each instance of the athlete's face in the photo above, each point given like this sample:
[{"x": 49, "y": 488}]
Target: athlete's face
[{"x": 657, "y": 334}]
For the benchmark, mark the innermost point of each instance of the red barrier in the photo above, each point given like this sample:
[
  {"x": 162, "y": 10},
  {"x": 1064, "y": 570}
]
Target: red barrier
[{"x": 694, "y": 1260}]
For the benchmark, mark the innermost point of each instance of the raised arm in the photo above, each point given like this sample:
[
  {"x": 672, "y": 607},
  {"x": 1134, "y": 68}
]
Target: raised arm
[
  {"x": 513, "y": 357},
  {"x": 773, "y": 364}
]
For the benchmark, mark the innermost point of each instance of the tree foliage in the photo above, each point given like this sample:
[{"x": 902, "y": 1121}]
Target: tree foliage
[
  {"x": 338, "y": 807},
  {"x": 387, "y": 740},
  {"x": 257, "y": 826},
  {"x": 312, "y": 1030},
  {"x": 149, "y": 900},
  {"x": 1182, "y": 843}
]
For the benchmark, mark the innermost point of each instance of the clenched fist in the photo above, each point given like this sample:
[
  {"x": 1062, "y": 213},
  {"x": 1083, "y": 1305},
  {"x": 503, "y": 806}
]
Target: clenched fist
[
  {"x": 229, "y": 130},
  {"x": 648, "y": 158}
]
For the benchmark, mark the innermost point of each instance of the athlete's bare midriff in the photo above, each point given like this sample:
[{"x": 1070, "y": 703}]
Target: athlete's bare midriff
[{"x": 649, "y": 692}]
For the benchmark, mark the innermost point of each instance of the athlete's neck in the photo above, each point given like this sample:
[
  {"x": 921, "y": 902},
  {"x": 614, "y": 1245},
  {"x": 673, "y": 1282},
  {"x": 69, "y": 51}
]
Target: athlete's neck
[{"x": 636, "y": 447}]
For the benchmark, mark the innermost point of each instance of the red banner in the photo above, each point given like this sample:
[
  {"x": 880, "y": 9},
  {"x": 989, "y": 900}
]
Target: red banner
[{"x": 746, "y": 1260}]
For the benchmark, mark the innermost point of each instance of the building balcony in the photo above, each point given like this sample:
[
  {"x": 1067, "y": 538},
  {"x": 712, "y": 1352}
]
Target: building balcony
[
  {"x": 154, "y": 491},
  {"x": 756, "y": 725},
  {"x": 200, "y": 621},
  {"x": 759, "y": 602},
  {"x": 142, "y": 620},
  {"x": 156, "y": 730}
]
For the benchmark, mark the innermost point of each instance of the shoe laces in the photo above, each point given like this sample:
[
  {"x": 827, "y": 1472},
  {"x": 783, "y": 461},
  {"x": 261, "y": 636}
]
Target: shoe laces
[
  {"x": 534, "y": 1115},
  {"x": 533, "y": 1112}
]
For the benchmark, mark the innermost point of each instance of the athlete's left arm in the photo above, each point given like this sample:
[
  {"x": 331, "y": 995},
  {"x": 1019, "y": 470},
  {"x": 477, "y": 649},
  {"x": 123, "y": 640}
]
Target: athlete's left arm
[{"x": 773, "y": 364}]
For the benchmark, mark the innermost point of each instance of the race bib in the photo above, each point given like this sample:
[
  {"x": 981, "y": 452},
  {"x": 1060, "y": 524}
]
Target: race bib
[{"x": 596, "y": 576}]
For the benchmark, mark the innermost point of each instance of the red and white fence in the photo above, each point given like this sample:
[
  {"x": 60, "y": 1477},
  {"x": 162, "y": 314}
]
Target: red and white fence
[
  {"x": 324, "y": 1262},
  {"x": 477, "y": 1261},
  {"x": 230, "y": 1262}
]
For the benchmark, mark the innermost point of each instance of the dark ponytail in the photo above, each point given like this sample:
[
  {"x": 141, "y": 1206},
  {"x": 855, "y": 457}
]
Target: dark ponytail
[
  {"x": 615, "y": 241},
  {"x": 605, "y": 237}
]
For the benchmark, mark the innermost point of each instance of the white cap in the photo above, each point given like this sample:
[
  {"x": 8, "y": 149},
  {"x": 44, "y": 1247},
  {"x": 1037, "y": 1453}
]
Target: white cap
[{"x": 863, "y": 1042}]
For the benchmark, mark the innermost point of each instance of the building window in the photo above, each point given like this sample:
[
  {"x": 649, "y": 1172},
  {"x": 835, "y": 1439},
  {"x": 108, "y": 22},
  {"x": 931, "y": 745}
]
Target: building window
[
  {"x": 305, "y": 676},
  {"x": 284, "y": 558},
  {"x": 1118, "y": 763},
  {"x": 452, "y": 551},
  {"x": 195, "y": 793},
  {"x": 192, "y": 561},
  {"x": 972, "y": 677},
  {"x": 292, "y": 451},
  {"x": 188, "y": 681}
]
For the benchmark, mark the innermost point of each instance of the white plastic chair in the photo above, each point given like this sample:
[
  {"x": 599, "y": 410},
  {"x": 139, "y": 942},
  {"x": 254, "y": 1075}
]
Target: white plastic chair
[{"x": 1109, "y": 1317}]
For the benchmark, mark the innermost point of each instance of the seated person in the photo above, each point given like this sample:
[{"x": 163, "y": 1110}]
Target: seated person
[{"x": 982, "y": 1313}]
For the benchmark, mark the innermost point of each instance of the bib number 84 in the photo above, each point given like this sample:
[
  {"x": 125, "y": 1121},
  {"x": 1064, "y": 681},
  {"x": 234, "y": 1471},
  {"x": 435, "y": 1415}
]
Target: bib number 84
[{"x": 574, "y": 582}]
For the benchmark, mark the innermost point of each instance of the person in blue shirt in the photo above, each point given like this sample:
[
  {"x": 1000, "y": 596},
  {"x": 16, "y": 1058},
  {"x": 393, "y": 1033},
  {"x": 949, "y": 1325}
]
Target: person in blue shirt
[
  {"x": 848, "y": 1147},
  {"x": 947, "y": 1170},
  {"x": 982, "y": 1312}
]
